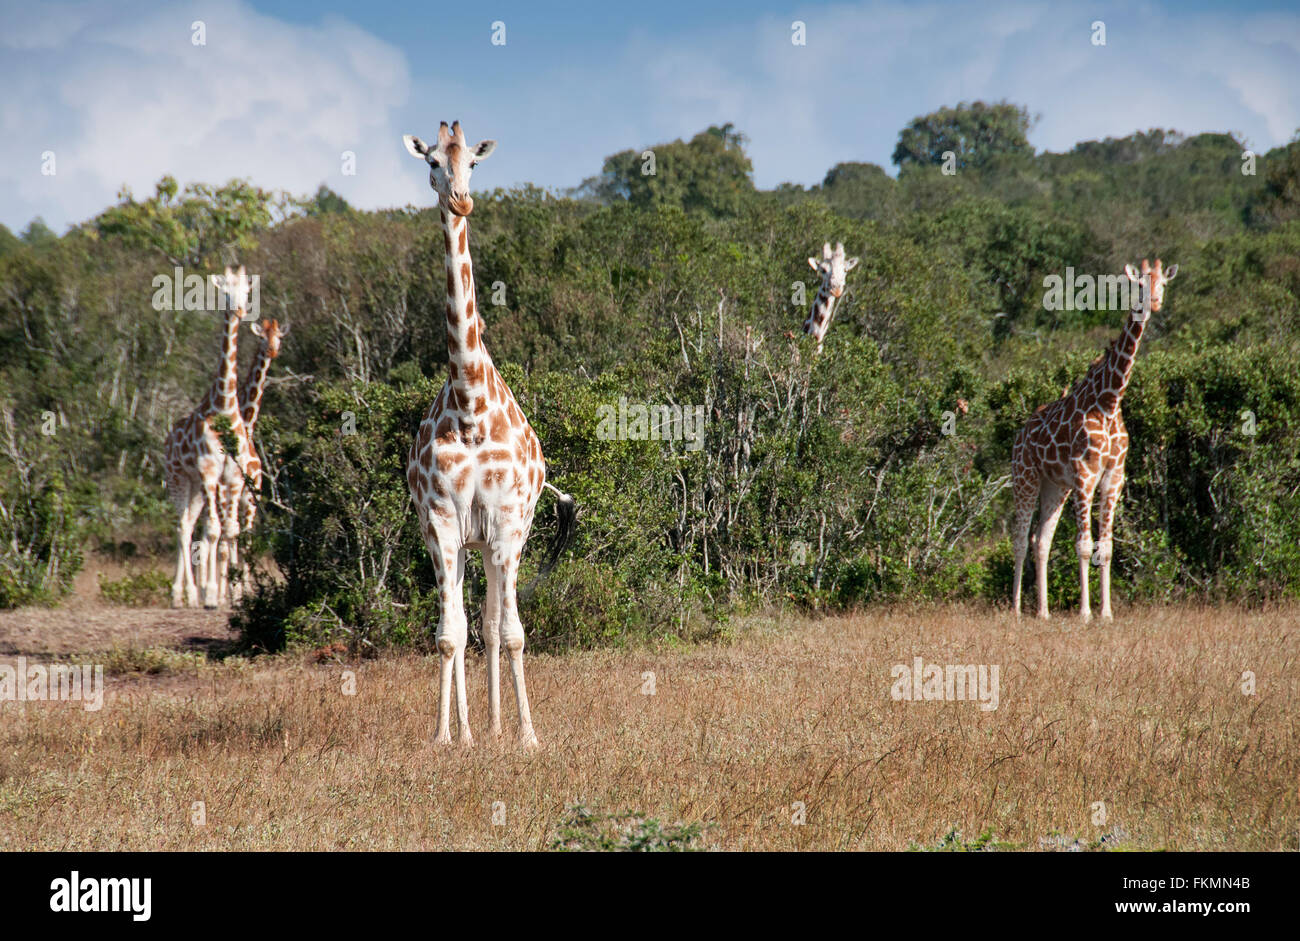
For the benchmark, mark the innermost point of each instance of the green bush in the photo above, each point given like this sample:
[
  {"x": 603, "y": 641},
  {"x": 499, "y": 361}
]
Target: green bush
[
  {"x": 138, "y": 589},
  {"x": 40, "y": 543}
]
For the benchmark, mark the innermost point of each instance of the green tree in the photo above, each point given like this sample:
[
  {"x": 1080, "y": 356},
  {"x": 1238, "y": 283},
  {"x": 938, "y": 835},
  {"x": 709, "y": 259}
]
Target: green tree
[
  {"x": 975, "y": 133},
  {"x": 326, "y": 201},
  {"x": 38, "y": 233},
  {"x": 710, "y": 173},
  {"x": 1279, "y": 200},
  {"x": 191, "y": 226}
]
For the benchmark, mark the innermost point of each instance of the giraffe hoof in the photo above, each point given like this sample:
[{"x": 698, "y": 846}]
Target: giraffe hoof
[
  {"x": 529, "y": 741},
  {"x": 443, "y": 739}
]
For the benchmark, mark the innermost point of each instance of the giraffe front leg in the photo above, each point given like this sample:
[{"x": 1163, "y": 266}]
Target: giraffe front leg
[
  {"x": 1110, "y": 491},
  {"x": 211, "y": 536},
  {"x": 1052, "y": 499},
  {"x": 184, "y": 591},
  {"x": 1083, "y": 545},
  {"x": 512, "y": 635},
  {"x": 223, "y": 568},
  {"x": 452, "y": 637},
  {"x": 1024, "y": 518}
]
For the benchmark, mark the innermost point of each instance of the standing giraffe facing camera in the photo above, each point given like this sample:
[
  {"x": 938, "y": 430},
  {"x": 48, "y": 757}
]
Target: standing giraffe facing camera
[
  {"x": 1077, "y": 445},
  {"x": 475, "y": 469},
  {"x": 833, "y": 269},
  {"x": 198, "y": 474}
]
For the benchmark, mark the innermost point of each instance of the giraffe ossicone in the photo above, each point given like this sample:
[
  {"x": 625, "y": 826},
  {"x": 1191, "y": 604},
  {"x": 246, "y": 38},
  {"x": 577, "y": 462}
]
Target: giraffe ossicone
[
  {"x": 475, "y": 470},
  {"x": 833, "y": 268},
  {"x": 1077, "y": 446}
]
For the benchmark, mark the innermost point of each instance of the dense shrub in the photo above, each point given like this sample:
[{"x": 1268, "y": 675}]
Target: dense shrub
[{"x": 874, "y": 471}]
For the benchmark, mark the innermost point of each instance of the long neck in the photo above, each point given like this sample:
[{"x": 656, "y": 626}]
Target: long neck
[
  {"x": 819, "y": 316},
  {"x": 468, "y": 361},
  {"x": 250, "y": 393},
  {"x": 223, "y": 398},
  {"x": 1108, "y": 378}
]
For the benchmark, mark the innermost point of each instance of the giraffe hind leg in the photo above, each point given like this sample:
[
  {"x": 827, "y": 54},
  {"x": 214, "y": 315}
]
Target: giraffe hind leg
[{"x": 492, "y": 639}]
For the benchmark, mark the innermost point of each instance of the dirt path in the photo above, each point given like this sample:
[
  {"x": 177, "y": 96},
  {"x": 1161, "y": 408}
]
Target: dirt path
[{"x": 84, "y": 623}]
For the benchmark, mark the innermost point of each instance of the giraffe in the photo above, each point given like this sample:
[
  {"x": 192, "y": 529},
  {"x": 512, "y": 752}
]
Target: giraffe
[
  {"x": 198, "y": 475},
  {"x": 475, "y": 469},
  {"x": 1077, "y": 445},
  {"x": 271, "y": 332},
  {"x": 833, "y": 268}
]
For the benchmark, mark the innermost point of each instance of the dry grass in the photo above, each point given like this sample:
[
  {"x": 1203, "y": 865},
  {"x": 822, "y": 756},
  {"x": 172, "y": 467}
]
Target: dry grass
[{"x": 1146, "y": 716}]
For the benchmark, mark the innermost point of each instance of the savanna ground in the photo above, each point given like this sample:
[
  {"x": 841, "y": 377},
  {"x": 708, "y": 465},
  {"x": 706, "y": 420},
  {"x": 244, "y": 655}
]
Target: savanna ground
[{"x": 786, "y": 718}]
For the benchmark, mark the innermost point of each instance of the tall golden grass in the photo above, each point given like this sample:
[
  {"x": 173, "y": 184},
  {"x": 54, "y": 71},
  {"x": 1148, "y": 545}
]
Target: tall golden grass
[{"x": 1135, "y": 735}]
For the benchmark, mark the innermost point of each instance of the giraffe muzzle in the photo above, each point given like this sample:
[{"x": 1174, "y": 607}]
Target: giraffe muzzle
[{"x": 461, "y": 205}]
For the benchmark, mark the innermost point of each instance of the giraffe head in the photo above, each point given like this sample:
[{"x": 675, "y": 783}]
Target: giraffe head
[
  {"x": 234, "y": 287},
  {"x": 833, "y": 267},
  {"x": 450, "y": 164},
  {"x": 272, "y": 331},
  {"x": 1151, "y": 283}
]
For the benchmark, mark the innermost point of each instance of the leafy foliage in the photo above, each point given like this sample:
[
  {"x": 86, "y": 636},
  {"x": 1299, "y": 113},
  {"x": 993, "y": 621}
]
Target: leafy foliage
[{"x": 875, "y": 471}]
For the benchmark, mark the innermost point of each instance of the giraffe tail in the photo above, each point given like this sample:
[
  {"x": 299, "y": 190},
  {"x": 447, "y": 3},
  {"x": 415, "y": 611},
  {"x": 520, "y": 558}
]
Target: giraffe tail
[{"x": 566, "y": 511}]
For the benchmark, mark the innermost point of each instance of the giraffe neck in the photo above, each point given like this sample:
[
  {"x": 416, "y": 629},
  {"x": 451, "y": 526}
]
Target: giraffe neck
[
  {"x": 819, "y": 316},
  {"x": 250, "y": 393},
  {"x": 1108, "y": 379},
  {"x": 468, "y": 362},
  {"x": 224, "y": 397}
]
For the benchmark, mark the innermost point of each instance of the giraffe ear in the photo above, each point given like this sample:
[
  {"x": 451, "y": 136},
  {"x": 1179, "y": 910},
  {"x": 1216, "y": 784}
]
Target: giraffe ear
[
  {"x": 284, "y": 330},
  {"x": 850, "y": 264},
  {"x": 1132, "y": 273},
  {"x": 257, "y": 329},
  {"x": 1170, "y": 272},
  {"x": 415, "y": 147},
  {"x": 484, "y": 149},
  {"x": 814, "y": 264}
]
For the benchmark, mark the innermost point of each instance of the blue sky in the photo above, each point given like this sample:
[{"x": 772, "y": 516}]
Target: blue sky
[{"x": 281, "y": 90}]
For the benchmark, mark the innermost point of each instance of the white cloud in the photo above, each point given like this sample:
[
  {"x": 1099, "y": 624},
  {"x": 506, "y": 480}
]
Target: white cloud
[
  {"x": 124, "y": 97},
  {"x": 869, "y": 68}
]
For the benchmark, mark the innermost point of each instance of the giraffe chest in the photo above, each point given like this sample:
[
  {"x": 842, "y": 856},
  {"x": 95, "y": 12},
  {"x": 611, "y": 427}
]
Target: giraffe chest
[
  {"x": 459, "y": 461},
  {"x": 1071, "y": 442}
]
